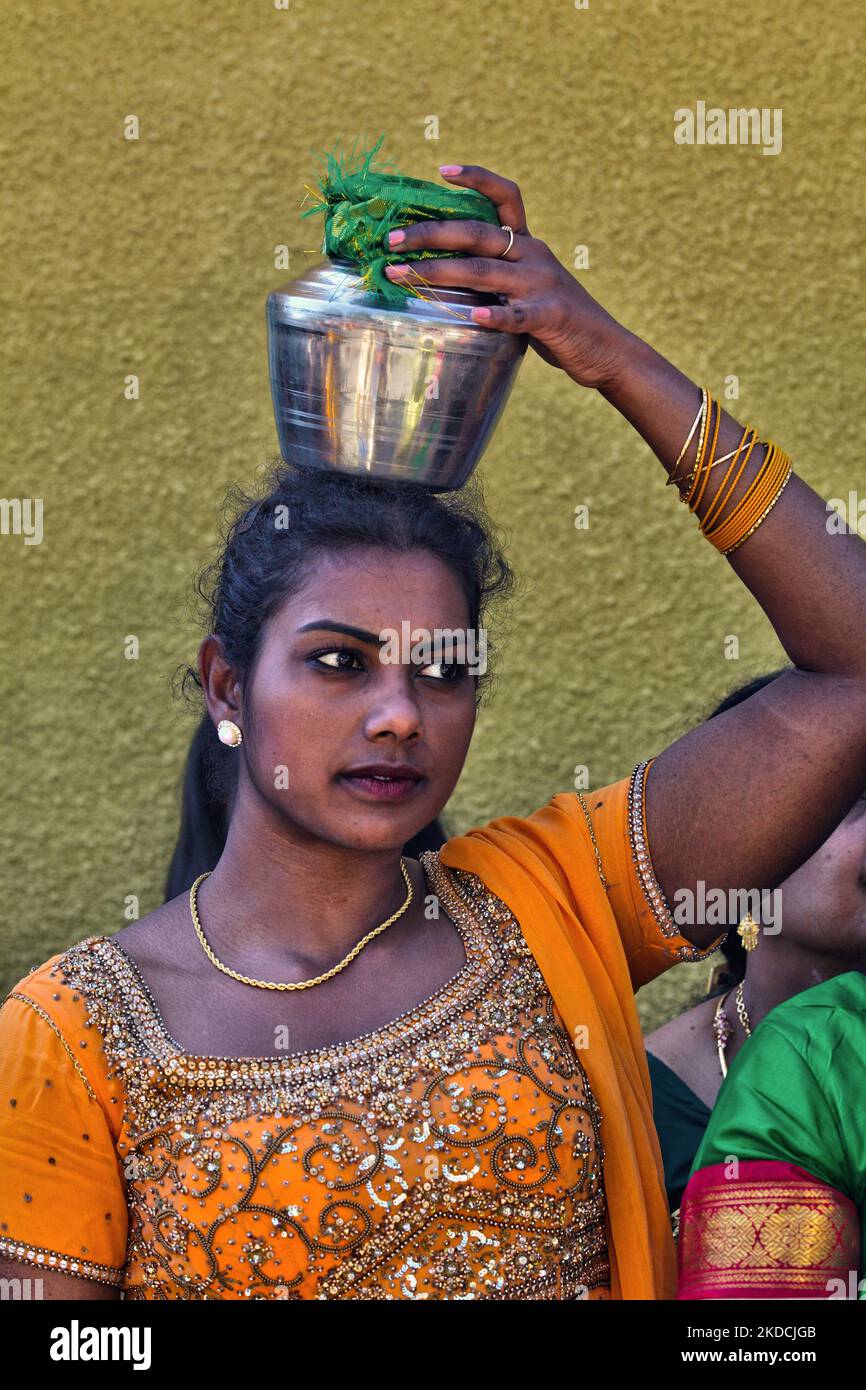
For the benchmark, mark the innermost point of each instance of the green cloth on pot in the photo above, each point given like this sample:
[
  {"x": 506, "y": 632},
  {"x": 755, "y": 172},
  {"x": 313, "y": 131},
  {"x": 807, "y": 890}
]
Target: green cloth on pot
[{"x": 363, "y": 202}]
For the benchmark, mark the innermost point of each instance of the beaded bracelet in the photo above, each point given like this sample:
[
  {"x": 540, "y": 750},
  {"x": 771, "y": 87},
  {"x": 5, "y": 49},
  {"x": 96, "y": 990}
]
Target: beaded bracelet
[
  {"x": 767, "y": 510},
  {"x": 710, "y": 456},
  {"x": 764, "y": 487},
  {"x": 772, "y": 476},
  {"x": 722, "y": 496},
  {"x": 705, "y": 397},
  {"x": 727, "y": 533},
  {"x": 755, "y": 491},
  {"x": 688, "y": 477},
  {"x": 704, "y": 453},
  {"x": 701, "y": 408}
]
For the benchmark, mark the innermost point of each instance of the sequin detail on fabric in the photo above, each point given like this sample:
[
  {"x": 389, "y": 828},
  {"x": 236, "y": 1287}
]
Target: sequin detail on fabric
[{"x": 453, "y": 1154}]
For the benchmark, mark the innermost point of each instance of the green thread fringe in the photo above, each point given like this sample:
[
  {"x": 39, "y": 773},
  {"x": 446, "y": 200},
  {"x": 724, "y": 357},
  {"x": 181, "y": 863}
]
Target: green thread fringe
[{"x": 362, "y": 202}]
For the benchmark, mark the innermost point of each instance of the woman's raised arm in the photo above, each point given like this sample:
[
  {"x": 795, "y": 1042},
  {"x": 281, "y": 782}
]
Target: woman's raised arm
[{"x": 739, "y": 802}]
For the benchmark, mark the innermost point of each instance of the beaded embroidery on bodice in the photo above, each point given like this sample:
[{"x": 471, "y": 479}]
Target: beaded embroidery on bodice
[{"x": 454, "y": 1153}]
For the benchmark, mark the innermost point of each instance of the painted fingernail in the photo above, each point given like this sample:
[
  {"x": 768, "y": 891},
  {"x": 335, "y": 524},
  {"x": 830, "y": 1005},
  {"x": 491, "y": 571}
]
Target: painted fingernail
[
  {"x": 450, "y": 168},
  {"x": 480, "y": 313},
  {"x": 394, "y": 238},
  {"x": 396, "y": 269}
]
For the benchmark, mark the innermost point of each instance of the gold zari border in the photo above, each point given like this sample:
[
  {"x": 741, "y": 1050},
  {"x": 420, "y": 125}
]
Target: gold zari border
[{"x": 755, "y": 1235}]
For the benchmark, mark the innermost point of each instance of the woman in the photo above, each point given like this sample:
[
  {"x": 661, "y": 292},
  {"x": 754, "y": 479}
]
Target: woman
[
  {"x": 777, "y": 1203},
  {"x": 335, "y": 1072},
  {"x": 207, "y": 795},
  {"x": 821, "y": 933}
]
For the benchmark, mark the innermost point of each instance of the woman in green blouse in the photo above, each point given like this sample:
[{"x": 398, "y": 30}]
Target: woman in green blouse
[
  {"x": 823, "y": 935},
  {"x": 776, "y": 1203}
]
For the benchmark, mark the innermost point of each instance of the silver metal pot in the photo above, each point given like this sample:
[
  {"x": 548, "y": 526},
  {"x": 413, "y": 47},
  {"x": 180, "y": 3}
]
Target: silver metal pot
[{"x": 404, "y": 394}]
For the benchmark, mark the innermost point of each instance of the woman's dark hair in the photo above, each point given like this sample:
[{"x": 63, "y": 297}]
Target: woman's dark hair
[
  {"x": 269, "y": 543},
  {"x": 206, "y": 800},
  {"x": 732, "y": 947}
]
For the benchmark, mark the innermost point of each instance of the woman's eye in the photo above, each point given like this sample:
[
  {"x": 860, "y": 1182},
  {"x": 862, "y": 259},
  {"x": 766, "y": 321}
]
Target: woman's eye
[
  {"x": 341, "y": 659},
  {"x": 453, "y": 670},
  {"x": 339, "y": 653}
]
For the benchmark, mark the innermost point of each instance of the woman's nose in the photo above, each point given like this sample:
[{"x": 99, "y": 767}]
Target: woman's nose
[{"x": 395, "y": 709}]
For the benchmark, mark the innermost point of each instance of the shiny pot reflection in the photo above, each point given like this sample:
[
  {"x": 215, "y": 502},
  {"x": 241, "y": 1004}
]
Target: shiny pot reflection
[{"x": 404, "y": 394}]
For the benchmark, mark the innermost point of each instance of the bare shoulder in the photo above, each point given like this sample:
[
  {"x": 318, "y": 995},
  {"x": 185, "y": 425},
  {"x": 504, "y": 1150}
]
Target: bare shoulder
[{"x": 680, "y": 1043}]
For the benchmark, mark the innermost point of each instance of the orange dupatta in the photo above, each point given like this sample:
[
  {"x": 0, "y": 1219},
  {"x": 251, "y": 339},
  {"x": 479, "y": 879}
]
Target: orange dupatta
[{"x": 594, "y": 948}]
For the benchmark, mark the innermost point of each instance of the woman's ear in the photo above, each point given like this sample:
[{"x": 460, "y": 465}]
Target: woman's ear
[{"x": 219, "y": 681}]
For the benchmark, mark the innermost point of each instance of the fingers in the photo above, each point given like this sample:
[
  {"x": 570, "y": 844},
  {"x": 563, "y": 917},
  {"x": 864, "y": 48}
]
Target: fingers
[
  {"x": 463, "y": 272},
  {"x": 463, "y": 234},
  {"x": 508, "y": 318},
  {"x": 491, "y": 277},
  {"x": 482, "y": 264},
  {"x": 503, "y": 192}
]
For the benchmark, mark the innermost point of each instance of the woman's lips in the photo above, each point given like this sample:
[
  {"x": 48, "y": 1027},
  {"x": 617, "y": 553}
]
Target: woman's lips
[{"x": 392, "y": 789}]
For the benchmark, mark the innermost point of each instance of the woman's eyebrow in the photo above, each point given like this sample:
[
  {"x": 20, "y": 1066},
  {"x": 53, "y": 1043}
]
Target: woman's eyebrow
[{"x": 329, "y": 625}]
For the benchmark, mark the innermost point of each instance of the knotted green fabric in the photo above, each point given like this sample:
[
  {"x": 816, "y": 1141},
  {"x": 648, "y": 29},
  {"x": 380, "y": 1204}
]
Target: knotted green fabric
[{"x": 362, "y": 203}]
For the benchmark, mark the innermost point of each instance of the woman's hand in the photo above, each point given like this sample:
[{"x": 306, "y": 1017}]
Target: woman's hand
[{"x": 566, "y": 326}]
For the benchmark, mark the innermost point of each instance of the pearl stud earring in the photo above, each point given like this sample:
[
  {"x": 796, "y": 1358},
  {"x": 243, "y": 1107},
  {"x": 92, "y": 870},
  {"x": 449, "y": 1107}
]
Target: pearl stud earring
[{"x": 229, "y": 733}]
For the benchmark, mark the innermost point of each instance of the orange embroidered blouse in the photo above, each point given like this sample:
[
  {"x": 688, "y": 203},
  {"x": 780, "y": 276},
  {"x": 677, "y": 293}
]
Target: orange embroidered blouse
[{"x": 457, "y": 1153}]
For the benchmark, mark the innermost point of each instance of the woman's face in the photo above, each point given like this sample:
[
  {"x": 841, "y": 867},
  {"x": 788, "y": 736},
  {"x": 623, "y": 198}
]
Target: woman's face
[
  {"x": 824, "y": 901},
  {"x": 322, "y": 702}
]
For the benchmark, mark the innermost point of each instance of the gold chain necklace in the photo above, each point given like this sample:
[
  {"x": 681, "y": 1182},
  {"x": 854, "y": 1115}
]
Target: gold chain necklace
[
  {"x": 722, "y": 1026},
  {"x": 301, "y": 984}
]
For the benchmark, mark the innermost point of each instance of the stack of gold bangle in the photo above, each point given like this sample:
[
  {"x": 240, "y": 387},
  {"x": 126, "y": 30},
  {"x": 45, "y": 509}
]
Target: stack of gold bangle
[{"x": 727, "y": 533}]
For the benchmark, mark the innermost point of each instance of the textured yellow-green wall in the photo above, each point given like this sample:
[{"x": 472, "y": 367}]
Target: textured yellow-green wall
[{"x": 154, "y": 256}]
